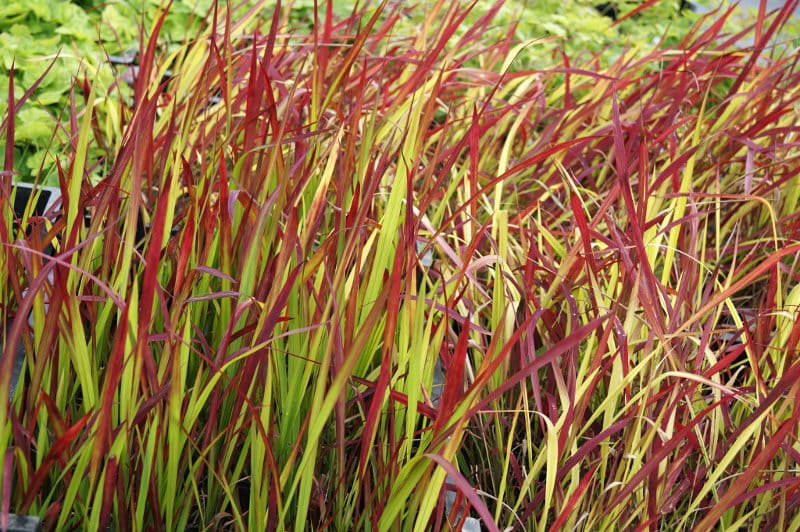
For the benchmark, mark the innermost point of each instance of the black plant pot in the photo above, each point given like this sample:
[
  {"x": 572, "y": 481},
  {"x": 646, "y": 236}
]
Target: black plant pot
[{"x": 23, "y": 195}]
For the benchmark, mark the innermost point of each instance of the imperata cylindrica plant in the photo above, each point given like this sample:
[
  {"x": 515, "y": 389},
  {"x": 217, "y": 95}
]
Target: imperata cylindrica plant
[{"x": 387, "y": 268}]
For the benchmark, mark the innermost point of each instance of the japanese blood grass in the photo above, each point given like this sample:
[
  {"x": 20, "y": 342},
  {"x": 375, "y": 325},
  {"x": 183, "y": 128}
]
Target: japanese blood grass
[{"x": 265, "y": 358}]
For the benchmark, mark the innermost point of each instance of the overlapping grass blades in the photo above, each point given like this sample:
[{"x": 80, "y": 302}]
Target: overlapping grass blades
[{"x": 613, "y": 296}]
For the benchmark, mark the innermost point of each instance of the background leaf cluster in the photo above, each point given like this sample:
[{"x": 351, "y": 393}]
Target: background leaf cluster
[{"x": 77, "y": 37}]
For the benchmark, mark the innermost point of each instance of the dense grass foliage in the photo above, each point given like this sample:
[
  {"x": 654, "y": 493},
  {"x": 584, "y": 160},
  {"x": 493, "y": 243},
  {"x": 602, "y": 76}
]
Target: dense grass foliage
[{"x": 612, "y": 297}]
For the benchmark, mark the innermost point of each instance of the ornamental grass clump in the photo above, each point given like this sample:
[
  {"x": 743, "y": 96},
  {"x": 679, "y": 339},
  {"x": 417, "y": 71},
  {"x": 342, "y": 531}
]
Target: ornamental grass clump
[{"x": 600, "y": 263}]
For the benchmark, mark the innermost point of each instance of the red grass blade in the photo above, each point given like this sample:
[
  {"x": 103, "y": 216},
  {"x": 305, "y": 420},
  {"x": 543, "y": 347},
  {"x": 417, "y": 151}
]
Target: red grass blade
[{"x": 467, "y": 490}]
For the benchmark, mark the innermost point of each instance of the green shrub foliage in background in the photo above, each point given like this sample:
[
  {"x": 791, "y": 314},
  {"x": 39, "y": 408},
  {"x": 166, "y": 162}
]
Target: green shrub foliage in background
[{"x": 77, "y": 38}]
